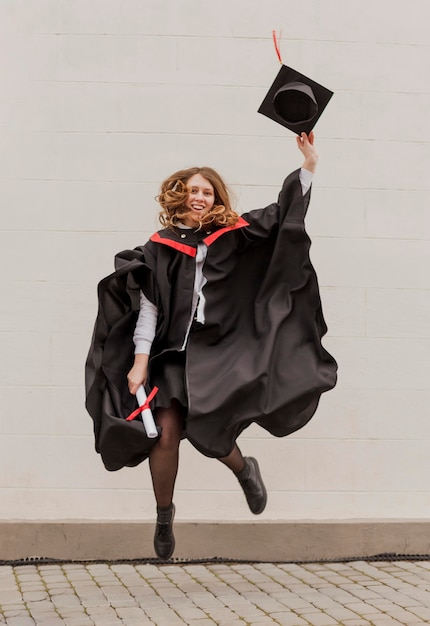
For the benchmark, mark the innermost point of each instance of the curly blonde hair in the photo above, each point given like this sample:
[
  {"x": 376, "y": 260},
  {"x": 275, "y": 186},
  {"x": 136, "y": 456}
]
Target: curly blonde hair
[{"x": 174, "y": 193}]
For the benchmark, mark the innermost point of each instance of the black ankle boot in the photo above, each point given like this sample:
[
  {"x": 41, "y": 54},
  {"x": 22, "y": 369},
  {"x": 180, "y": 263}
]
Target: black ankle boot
[
  {"x": 253, "y": 486},
  {"x": 164, "y": 540}
]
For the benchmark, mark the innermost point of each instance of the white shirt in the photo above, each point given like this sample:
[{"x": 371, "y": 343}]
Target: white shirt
[{"x": 147, "y": 321}]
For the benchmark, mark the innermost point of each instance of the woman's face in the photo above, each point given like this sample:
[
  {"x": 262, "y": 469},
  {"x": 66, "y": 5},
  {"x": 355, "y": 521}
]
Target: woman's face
[{"x": 201, "y": 198}]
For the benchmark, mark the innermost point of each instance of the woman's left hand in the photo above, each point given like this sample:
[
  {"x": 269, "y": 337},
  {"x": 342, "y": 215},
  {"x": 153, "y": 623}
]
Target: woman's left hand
[{"x": 305, "y": 143}]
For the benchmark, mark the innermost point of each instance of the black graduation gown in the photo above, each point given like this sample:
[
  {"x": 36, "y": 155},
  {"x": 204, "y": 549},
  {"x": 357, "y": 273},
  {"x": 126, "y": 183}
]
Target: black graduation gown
[{"x": 257, "y": 358}]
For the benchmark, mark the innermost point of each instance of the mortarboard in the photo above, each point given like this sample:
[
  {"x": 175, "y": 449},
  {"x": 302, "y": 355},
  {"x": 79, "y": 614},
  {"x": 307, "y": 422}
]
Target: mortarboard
[{"x": 294, "y": 100}]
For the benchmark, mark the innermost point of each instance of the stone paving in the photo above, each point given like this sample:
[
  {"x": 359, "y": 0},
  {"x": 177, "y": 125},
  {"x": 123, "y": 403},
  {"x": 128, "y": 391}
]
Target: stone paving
[{"x": 227, "y": 594}]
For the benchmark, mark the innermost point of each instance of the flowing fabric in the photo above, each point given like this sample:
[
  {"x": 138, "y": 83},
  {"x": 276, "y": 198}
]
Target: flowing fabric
[{"x": 258, "y": 357}]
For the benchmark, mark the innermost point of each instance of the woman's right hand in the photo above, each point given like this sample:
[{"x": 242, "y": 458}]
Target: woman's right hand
[{"x": 139, "y": 372}]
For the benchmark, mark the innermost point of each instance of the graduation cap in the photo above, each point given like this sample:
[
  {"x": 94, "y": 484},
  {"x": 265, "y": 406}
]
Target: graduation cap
[{"x": 295, "y": 101}]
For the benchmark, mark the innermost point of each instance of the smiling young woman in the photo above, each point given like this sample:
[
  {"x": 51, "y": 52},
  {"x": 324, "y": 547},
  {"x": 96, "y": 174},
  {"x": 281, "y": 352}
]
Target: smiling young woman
[{"x": 227, "y": 324}]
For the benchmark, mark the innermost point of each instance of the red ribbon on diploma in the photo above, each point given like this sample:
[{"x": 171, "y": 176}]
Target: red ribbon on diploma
[{"x": 145, "y": 406}]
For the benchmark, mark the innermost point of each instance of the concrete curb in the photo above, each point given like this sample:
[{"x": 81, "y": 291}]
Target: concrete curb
[{"x": 259, "y": 541}]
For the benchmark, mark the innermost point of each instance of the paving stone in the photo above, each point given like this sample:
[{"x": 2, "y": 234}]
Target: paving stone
[
  {"x": 289, "y": 619},
  {"x": 205, "y": 600},
  {"x": 135, "y": 619},
  {"x": 222, "y": 615},
  {"x": 130, "y": 613},
  {"x": 45, "y": 620},
  {"x": 34, "y": 596},
  {"x": 10, "y": 608},
  {"x": 341, "y": 613},
  {"x": 34, "y": 608},
  {"x": 423, "y": 612},
  {"x": 163, "y": 615},
  {"x": 319, "y": 619},
  {"x": 11, "y": 597},
  {"x": 381, "y": 621},
  {"x": 63, "y": 601},
  {"x": 21, "y": 612},
  {"x": 406, "y": 617},
  {"x": 191, "y": 613},
  {"x": 104, "y": 612},
  {"x": 203, "y": 622}
]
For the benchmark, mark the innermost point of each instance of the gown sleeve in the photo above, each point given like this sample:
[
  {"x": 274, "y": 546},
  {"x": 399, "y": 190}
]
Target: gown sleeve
[{"x": 288, "y": 212}]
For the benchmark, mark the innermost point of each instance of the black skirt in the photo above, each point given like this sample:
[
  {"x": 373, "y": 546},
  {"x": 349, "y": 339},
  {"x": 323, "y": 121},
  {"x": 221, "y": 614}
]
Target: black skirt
[{"x": 168, "y": 374}]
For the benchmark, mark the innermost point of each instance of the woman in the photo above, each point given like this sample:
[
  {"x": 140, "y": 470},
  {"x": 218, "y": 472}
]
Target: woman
[{"x": 229, "y": 329}]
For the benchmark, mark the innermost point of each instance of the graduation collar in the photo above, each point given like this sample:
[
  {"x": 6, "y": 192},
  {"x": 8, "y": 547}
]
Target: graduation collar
[{"x": 185, "y": 240}]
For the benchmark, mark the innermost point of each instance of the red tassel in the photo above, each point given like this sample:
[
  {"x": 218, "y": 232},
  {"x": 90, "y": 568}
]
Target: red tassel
[{"x": 275, "y": 42}]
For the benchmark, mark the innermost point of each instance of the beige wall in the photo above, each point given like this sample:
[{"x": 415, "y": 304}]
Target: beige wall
[{"x": 100, "y": 100}]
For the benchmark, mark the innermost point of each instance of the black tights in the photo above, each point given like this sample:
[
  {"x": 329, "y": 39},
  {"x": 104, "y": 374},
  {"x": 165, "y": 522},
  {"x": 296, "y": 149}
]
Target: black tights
[{"x": 164, "y": 456}]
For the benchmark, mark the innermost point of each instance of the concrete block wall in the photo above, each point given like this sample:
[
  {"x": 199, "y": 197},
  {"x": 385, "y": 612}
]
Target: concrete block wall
[{"x": 103, "y": 99}]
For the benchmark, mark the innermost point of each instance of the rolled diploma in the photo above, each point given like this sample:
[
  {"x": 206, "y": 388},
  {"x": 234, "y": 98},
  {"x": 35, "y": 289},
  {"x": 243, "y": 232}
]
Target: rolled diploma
[{"x": 148, "y": 420}]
